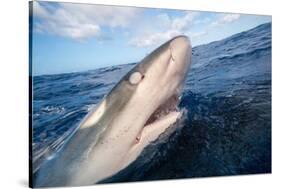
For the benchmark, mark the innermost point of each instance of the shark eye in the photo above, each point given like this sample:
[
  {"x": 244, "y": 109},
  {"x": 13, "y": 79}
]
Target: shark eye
[{"x": 135, "y": 78}]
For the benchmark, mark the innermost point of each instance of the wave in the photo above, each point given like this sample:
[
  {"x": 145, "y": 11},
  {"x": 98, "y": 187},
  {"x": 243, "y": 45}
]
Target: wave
[{"x": 227, "y": 94}]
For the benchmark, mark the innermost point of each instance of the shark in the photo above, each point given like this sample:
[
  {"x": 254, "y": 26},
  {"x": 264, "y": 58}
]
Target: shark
[{"x": 139, "y": 108}]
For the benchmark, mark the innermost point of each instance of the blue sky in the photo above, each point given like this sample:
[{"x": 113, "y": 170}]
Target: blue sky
[{"x": 76, "y": 37}]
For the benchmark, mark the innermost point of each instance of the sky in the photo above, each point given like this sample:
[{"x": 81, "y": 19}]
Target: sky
[{"x": 71, "y": 37}]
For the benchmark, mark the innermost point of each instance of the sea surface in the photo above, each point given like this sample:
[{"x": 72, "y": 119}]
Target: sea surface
[{"x": 227, "y": 130}]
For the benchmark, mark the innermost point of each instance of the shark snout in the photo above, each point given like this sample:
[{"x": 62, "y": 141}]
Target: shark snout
[
  {"x": 180, "y": 52},
  {"x": 180, "y": 49},
  {"x": 181, "y": 41}
]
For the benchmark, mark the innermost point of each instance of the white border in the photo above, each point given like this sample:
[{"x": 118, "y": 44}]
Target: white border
[{"x": 14, "y": 91}]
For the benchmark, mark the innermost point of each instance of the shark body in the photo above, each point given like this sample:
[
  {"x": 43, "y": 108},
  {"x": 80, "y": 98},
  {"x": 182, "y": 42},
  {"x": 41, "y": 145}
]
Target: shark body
[{"x": 135, "y": 113}]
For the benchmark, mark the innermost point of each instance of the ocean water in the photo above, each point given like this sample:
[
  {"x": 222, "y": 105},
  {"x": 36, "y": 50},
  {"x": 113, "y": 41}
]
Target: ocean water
[{"x": 227, "y": 130}]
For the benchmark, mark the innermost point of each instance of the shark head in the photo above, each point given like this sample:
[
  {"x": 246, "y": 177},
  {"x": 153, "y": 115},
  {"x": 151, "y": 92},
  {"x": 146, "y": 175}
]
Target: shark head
[
  {"x": 133, "y": 115},
  {"x": 142, "y": 105},
  {"x": 155, "y": 86}
]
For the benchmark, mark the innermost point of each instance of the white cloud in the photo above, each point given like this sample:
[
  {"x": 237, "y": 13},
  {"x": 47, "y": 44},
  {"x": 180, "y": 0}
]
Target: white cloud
[
  {"x": 146, "y": 40},
  {"x": 202, "y": 21},
  {"x": 225, "y": 19},
  {"x": 220, "y": 21},
  {"x": 168, "y": 29},
  {"x": 80, "y": 21},
  {"x": 197, "y": 34},
  {"x": 230, "y": 18}
]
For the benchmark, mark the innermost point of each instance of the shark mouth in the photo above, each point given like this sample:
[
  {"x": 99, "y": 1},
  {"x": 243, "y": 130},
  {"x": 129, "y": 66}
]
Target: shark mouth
[
  {"x": 170, "y": 105},
  {"x": 166, "y": 112}
]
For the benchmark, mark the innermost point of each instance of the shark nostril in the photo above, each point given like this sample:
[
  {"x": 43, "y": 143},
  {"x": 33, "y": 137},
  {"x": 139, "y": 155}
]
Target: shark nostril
[
  {"x": 172, "y": 59},
  {"x": 137, "y": 139}
]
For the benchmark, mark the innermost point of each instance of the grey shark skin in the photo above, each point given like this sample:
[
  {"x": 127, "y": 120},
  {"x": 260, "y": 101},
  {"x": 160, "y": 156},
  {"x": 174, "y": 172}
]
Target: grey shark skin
[{"x": 135, "y": 113}]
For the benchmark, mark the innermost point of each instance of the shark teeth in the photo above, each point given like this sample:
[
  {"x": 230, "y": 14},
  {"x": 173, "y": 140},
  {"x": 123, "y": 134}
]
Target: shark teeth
[{"x": 171, "y": 105}]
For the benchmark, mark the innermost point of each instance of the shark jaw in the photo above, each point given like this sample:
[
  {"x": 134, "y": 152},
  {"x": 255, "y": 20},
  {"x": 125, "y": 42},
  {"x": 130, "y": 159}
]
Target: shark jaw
[{"x": 169, "y": 112}]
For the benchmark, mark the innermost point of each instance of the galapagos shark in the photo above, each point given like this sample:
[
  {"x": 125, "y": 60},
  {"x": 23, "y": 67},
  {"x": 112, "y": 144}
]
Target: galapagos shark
[{"x": 142, "y": 105}]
